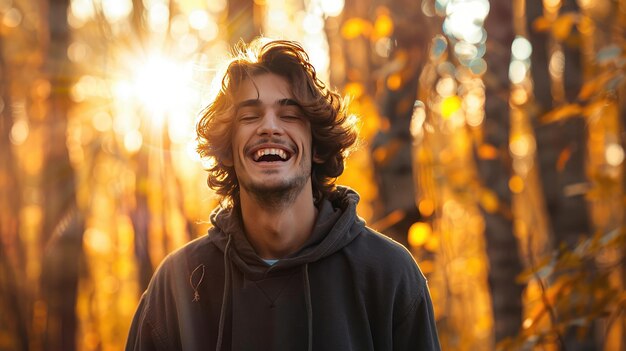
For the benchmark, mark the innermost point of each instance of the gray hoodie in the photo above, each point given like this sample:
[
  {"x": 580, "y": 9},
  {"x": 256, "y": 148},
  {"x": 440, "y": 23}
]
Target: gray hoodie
[{"x": 347, "y": 288}]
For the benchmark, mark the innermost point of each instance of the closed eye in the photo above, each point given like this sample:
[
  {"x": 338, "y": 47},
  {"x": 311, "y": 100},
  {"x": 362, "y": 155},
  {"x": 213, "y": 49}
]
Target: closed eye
[
  {"x": 248, "y": 118},
  {"x": 291, "y": 117}
]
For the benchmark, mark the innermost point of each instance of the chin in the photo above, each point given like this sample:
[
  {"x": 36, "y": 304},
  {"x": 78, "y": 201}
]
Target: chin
[{"x": 283, "y": 192}]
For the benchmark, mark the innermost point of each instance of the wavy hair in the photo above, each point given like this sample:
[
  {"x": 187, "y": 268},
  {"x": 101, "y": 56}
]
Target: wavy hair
[{"x": 333, "y": 132}]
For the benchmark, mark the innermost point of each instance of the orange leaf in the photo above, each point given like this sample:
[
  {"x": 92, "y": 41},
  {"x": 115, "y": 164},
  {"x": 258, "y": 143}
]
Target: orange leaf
[
  {"x": 596, "y": 85},
  {"x": 562, "y": 27},
  {"x": 487, "y": 152},
  {"x": 562, "y": 112},
  {"x": 564, "y": 156},
  {"x": 541, "y": 24}
]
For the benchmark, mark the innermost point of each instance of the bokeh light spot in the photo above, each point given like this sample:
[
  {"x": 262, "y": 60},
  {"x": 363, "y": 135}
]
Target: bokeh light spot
[
  {"x": 426, "y": 207},
  {"x": 516, "y": 184},
  {"x": 419, "y": 232},
  {"x": 450, "y": 105},
  {"x": 521, "y": 48},
  {"x": 614, "y": 154}
]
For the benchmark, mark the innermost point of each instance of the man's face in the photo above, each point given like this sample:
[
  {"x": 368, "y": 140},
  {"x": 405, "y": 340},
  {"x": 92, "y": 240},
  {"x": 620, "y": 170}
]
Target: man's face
[{"x": 271, "y": 145}]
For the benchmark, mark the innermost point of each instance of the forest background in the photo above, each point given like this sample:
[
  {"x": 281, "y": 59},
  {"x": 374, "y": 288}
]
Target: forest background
[{"x": 492, "y": 147}]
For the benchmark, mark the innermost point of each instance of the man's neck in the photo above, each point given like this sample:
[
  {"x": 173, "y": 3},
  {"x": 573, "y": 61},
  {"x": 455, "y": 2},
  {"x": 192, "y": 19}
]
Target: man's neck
[{"x": 276, "y": 232}]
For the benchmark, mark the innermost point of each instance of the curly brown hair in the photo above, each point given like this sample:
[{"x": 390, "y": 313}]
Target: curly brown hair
[{"x": 333, "y": 132}]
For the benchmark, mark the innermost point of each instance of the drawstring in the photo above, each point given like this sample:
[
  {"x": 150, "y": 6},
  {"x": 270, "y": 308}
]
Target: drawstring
[
  {"x": 196, "y": 295},
  {"x": 309, "y": 306},
  {"x": 218, "y": 347}
]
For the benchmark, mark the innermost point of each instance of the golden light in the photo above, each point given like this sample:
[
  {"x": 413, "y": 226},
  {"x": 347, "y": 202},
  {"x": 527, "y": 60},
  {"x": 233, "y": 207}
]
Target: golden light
[
  {"x": 163, "y": 88},
  {"x": 12, "y": 18},
  {"x": 102, "y": 121},
  {"x": 115, "y": 10},
  {"x": 519, "y": 96},
  {"x": 450, "y": 105},
  {"x": 133, "y": 141},
  {"x": 19, "y": 132},
  {"x": 383, "y": 26},
  {"x": 417, "y": 120},
  {"x": 521, "y": 145},
  {"x": 557, "y": 64},
  {"x": 516, "y": 184},
  {"x": 82, "y": 10},
  {"x": 332, "y": 7},
  {"x": 394, "y": 81},
  {"x": 158, "y": 16},
  {"x": 614, "y": 154},
  {"x": 419, "y": 233},
  {"x": 489, "y": 201},
  {"x": 198, "y": 19},
  {"x": 426, "y": 207},
  {"x": 446, "y": 86},
  {"x": 464, "y": 19}
]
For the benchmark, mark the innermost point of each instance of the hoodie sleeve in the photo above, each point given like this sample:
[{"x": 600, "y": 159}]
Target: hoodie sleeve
[
  {"x": 139, "y": 338},
  {"x": 148, "y": 331},
  {"x": 417, "y": 330}
]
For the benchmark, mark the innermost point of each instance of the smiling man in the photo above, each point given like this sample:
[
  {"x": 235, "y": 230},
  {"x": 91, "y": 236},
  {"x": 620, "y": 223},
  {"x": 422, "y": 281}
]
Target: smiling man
[{"x": 288, "y": 264}]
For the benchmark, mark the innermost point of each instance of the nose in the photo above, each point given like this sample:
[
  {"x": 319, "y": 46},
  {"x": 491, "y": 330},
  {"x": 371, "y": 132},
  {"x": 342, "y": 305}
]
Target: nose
[{"x": 270, "y": 124}]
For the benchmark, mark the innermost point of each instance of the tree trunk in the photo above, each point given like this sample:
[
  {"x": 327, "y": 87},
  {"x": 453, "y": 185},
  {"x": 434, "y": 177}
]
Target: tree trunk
[
  {"x": 11, "y": 250},
  {"x": 561, "y": 148},
  {"x": 63, "y": 225},
  {"x": 394, "y": 172},
  {"x": 502, "y": 247}
]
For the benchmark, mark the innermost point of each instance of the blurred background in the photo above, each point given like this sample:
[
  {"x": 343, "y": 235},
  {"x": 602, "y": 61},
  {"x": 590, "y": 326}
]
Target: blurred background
[{"x": 492, "y": 147}]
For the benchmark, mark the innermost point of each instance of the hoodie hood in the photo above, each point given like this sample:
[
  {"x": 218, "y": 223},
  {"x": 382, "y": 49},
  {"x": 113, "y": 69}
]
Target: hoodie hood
[{"x": 336, "y": 225}]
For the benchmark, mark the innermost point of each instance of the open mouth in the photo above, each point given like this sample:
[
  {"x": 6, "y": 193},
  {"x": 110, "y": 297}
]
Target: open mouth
[{"x": 271, "y": 155}]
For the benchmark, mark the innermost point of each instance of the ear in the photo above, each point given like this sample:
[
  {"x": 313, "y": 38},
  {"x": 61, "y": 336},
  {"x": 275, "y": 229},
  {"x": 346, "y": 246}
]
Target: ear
[
  {"x": 227, "y": 160},
  {"x": 317, "y": 159}
]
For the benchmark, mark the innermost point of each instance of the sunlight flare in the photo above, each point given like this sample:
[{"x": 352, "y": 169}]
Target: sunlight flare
[{"x": 163, "y": 88}]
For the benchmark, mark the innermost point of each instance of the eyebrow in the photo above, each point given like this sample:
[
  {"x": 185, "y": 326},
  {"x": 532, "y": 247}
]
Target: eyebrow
[{"x": 257, "y": 102}]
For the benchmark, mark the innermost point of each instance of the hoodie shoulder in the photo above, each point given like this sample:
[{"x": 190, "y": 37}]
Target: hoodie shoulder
[{"x": 380, "y": 252}]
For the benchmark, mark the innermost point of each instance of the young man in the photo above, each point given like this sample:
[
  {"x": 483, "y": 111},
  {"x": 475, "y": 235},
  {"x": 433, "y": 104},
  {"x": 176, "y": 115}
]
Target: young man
[{"x": 288, "y": 264}]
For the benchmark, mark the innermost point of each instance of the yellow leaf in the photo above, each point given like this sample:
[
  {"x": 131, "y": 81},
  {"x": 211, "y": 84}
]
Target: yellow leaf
[
  {"x": 562, "y": 112},
  {"x": 355, "y": 27}
]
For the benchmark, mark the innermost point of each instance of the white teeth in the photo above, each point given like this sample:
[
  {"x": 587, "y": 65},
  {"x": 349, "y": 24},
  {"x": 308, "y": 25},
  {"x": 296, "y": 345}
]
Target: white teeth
[{"x": 262, "y": 152}]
